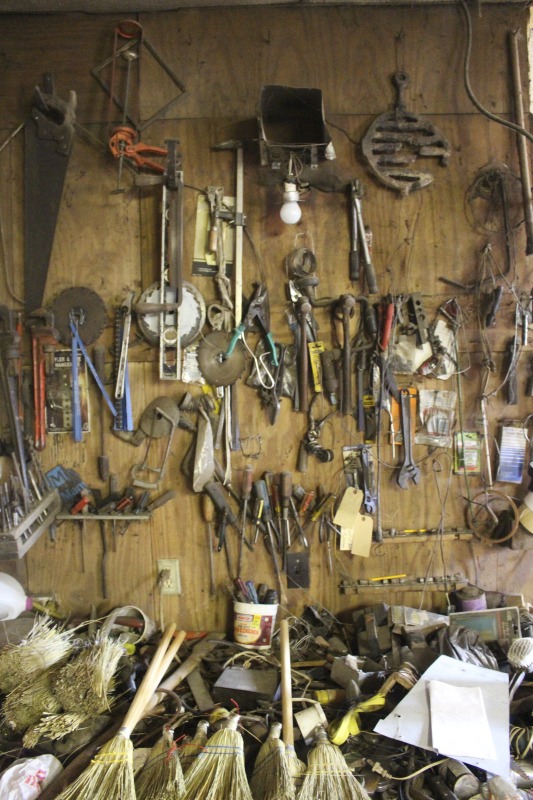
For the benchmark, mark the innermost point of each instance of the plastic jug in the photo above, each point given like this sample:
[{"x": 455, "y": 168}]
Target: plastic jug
[{"x": 13, "y": 600}]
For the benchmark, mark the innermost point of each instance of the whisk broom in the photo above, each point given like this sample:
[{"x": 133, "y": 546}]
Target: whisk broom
[
  {"x": 161, "y": 778},
  {"x": 110, "y": 774},
  {"x": 271, "y": 778},
  {"x": 218, "y": 773},
  {"x": 296, "y": 767},
  {"x": 328, "y": 776}
]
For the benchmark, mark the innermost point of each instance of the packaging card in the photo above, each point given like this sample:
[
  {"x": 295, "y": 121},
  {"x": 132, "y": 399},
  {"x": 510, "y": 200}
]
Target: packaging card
[{"x": 348, "y": 509}]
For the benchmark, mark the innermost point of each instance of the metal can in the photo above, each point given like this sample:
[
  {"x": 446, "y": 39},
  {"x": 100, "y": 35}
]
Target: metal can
[{"x": 458, "y": 777}]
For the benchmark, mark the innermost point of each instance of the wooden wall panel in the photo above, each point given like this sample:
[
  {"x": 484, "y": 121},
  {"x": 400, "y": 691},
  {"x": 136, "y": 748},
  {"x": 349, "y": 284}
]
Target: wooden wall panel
[{"x": 110, "y": 242}]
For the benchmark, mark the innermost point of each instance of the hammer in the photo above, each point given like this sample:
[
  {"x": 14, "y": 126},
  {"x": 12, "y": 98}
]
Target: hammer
[{"x": 237, "y": 146}]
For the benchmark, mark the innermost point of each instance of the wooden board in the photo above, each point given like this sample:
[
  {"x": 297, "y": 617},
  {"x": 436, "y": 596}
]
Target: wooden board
[{"x": 111, "y": 243}]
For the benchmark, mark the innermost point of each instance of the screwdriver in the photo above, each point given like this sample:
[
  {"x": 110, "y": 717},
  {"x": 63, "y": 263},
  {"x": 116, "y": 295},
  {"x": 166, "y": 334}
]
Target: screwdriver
[
  {"x": 99, "y": 365},
  {"x": 257, "y": 515},
  {"x": 286, "y": 492},
  {"x": 208, "y": 511},
  {"x": 261, "y": 492},
  {"x": 246, "y": 493},
  {"x": 274, "y": 503}
]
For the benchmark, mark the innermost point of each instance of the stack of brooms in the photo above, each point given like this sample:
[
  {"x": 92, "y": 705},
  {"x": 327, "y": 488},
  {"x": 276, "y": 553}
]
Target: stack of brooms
[{"x": 110, "y": 775}]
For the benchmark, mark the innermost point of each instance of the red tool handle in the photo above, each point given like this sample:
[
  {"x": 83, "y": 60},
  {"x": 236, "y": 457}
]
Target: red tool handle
[{"x": 386, "y": 326}]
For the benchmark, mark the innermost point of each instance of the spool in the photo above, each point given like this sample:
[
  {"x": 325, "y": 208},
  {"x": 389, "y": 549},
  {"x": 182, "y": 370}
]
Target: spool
[
  {"x": 253, "y": 624},
  {"x": 471, "y": 598}
]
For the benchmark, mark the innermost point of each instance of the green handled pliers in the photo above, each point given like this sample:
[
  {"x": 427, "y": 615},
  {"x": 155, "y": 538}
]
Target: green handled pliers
[{"x": 256, "y": 314}]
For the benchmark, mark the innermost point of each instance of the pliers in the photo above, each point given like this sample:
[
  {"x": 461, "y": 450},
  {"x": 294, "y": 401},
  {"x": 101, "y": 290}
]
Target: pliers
[{"x": 257, "y": 313}]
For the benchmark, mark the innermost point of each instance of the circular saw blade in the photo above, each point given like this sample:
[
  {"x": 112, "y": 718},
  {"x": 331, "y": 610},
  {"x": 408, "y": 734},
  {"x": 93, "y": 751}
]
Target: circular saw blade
[
  {"x": 191, "y": 312},
  {"x": 89, "y": 310},
  {"x": 217, "y": 368}
]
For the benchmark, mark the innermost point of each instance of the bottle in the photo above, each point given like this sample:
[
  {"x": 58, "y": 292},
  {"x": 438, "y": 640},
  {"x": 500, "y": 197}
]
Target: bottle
[{"x": 13, "y": 600}]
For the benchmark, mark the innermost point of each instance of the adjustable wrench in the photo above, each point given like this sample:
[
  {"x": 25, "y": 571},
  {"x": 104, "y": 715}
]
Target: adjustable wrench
[{"x": 409, "y": 470}]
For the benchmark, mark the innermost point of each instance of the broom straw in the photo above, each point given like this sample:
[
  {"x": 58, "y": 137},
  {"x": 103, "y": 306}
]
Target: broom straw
[
  {"x": 328, "y": 775},
  {"x": 110, "y": 774},
  {"x": 271, "y": 778},
  {"x": 161, "y": 777},
  {"x": 296, "y": 767}
]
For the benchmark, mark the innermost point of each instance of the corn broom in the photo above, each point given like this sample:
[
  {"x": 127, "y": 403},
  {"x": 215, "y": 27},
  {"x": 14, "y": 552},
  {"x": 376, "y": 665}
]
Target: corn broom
[
  {"x": 296, "y": 767},
  {"x": 218, "y": 773},
  {"x": 110, "y": 774},
  {"x": 190, "y": 750},
  {"x": 271, "y": 778},
  {"x": 328, "y": 776},
  {"x": 161, "y": 778}
]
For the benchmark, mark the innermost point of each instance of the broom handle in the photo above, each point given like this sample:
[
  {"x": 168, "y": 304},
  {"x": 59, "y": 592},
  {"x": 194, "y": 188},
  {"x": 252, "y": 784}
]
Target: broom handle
[
  {"x": 149, "y": 682},
  {"x": 286, "y": 687}
]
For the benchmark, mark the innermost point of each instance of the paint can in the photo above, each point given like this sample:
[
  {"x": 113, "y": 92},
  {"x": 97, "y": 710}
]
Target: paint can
[
  {"x": 253, "y": 624},
  {"x": 471, "y": 598}
]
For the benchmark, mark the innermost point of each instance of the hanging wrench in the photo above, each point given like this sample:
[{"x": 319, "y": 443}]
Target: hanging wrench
[{"x": 409, "y": 470}]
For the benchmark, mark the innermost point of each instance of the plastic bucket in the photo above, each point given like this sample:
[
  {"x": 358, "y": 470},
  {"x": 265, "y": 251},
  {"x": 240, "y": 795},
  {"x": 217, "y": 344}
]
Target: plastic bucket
[{"x": 253, "y": 624}]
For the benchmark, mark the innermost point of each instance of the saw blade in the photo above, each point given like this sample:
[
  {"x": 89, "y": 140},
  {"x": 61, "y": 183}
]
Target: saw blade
[
  {"x": 88, "y": 310},
  {"x": 217, "y": 368}
]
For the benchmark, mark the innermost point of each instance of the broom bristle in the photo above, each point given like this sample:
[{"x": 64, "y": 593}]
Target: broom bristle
[
  {"x": 44, "y": 646},
  {"x": 296, "y": 767},
  {"x": 108, "y": 776},
  {"x": 271, "y": 778},
  {"x": 219, "y": 773},
  {"x": 190, "y": 750},
  {"x": 161, "y": 778},
  {"x": 328, "y": 776}
]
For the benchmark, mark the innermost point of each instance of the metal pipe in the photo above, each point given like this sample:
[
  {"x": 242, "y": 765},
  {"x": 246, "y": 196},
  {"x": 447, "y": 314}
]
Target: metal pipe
[{"x": 520, "y": 141}]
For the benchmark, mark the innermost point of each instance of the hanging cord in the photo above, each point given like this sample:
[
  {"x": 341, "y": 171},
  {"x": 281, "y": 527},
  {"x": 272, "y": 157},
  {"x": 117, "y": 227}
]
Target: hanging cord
[
  {"x": 443, "y": 499},
  {"x": 466, "y": 75}
]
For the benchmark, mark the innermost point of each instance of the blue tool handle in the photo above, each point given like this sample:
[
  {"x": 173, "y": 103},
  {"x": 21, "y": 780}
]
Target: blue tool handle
[
  {"x": 79, "y": 343},
  {"x": 236, "y": 336}
]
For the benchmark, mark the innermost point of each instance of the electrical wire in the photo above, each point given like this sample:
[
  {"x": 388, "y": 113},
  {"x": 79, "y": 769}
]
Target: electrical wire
[{"x": 466, "y": 76}]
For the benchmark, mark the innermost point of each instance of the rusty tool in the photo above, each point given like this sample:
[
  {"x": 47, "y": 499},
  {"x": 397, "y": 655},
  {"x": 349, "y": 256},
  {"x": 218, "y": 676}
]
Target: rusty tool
[
  {"x": 246, "y": 493},
  {"x": 303, "y": 312},
  {"x": 396, "y": 139},
  {"x": 261, "y": 491},
  {"x": 208, "y": 511},
  {"x": 523, "y": 157},
  {"x": 345, "y": 311},
  {"x": 409, "y": 470},
  {"x": 103, "y": 459},
  {"x": 43, "y": 342},
  {"x": 48, "y": 137}
]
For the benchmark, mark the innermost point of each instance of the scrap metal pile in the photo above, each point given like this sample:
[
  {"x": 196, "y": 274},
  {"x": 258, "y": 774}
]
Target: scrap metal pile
[{"x": 387, "y": 702}]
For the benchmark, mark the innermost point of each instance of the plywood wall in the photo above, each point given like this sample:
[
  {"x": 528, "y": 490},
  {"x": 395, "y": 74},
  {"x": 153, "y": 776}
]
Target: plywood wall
[{"x": 110, "y": 243}]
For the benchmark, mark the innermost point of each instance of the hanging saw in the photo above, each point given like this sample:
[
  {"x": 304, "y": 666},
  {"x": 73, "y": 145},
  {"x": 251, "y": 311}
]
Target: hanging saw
[{"x": 48, "y": 139}]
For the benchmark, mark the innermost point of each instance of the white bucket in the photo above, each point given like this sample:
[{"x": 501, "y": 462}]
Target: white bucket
[{"x": 253, "y": 624}]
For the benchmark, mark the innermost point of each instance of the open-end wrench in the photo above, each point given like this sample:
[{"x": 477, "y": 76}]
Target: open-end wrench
[{"x": 409, "y": 470}]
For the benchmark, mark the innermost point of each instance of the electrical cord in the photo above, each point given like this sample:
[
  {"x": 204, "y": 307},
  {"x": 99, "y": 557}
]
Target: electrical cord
[{"x": 466, "y": 75}]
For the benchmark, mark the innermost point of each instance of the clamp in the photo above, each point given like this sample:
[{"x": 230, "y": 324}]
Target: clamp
[
  {"x": 257, "y": 313},
  {"x": 123, "y": 144}
]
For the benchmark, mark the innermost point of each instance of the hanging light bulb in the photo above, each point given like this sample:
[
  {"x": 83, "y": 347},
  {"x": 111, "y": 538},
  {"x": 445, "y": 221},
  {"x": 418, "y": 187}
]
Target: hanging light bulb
[{"x": 290, "y": 211}]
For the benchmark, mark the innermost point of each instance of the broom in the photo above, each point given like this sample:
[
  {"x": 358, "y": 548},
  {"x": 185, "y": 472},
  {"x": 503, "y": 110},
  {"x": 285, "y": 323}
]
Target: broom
[
  {"x": 296, "y": 767},
  {"x": 110, "y": 774},
  {"x": 189, "y": 751},
  {"x": 271, "y": 778},
  {"x": 328, "y": 775},
  {"x": 218, "y": 773},
  {"x": 161, "y": 778}
]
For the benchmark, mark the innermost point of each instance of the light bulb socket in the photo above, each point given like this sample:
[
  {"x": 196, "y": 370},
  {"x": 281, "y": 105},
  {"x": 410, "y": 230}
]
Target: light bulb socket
[{"x": 290, "y": 192}]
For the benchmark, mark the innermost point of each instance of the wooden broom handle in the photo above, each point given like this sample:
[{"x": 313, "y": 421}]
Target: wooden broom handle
[
  {"x": 150, "y": 680},
  {"x": 286, "y": 687}
]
